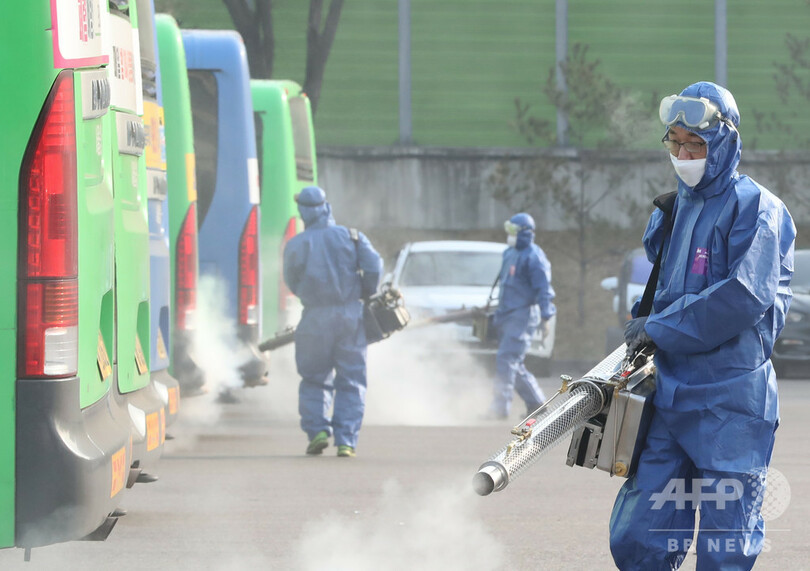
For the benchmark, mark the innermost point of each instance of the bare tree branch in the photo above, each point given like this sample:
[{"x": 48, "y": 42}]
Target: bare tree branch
[
  {"x": 255, "y": 25},
  {"x": 319, "y": 44}
]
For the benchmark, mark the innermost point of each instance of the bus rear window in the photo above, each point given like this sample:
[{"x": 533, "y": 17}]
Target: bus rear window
[
  {"x": 204, "y": 108},
  {"x": 301, "y": 139}
]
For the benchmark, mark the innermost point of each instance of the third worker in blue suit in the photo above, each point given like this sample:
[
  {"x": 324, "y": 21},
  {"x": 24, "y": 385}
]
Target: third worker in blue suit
[
  {"x": 332, "y": 269},
  {"x": 524, "y": 304},
  {"x": 720, "y": 302}
]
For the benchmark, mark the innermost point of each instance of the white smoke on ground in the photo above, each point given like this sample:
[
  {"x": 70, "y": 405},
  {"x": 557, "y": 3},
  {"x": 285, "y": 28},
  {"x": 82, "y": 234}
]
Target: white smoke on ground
[
  {"x": 427, "y": 529},
  {"x": 415, "y": 378},
  {"x": 425, "y": 377},
  {"x": 217, "y": 352},
  {"x": 279, "y": 398}
]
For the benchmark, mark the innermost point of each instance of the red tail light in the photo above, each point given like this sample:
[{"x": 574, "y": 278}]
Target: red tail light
[
  {"x": 48, "y": 262},
  {"x": 186, "y": 271},
  {"x": 249, "y": 270},
  {"x": 285, "y": 296}
]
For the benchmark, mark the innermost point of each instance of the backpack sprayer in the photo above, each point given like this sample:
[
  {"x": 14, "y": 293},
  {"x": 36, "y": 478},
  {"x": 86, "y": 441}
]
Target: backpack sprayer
[
  {"x": 607, "y": 412},
  {"x": 383, "y": 314}
]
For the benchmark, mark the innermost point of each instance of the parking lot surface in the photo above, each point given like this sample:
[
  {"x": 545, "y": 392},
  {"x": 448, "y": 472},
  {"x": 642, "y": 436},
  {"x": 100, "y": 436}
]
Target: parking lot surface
[{"x": 236, "y": 492}]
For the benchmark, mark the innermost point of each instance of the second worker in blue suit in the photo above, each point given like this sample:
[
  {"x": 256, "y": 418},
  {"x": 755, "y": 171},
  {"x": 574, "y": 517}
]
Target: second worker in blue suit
[
  {"x": 332, "y": 269},
  {"x": 524, "y": 304}
]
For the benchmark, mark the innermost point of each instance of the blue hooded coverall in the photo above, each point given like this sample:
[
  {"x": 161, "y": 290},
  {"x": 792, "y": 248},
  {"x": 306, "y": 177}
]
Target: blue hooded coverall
[
  {"x": 321, "y": 267},
  {"x": 524, "y": 297},
  {"x": 720, "y": 303}
]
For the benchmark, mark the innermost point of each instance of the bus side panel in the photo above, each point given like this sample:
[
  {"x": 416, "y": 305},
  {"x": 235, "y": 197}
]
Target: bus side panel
[{"x": 96, "y": 264}]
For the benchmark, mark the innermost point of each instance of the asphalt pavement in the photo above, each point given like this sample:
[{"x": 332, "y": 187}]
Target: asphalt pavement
[{"x": 236, "y": 491}]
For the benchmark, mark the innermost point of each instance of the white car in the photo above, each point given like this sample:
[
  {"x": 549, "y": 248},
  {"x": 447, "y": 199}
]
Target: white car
[
  {"x": 629, "y": 284},
  {"x": 442, "y": 276},
  {"x": 628, "y": 287}
]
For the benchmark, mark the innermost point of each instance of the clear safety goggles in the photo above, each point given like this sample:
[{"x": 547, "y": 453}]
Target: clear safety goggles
[
  {"x": 695, "y": 112},
  {"x": 511, "y": 228}
]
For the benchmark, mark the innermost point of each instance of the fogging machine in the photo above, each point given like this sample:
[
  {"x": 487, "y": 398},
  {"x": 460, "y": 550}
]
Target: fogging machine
[{"x": 607, "y": 413}]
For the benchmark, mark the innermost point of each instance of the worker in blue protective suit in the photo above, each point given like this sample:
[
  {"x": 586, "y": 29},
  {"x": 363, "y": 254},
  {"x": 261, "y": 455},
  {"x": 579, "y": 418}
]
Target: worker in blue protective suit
[
  {"x": 332, "y": 269},
  {"x": 524, "y": 303},
  {"x": 720, "y": 302}
]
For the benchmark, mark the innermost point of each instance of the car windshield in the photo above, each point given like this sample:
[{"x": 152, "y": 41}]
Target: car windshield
[
  {"x": 450, "y": 269},
  {"x": 801, "y": 272}
]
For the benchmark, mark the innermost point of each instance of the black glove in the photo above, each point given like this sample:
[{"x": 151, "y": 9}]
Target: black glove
[{"x": 635, "y": 335}]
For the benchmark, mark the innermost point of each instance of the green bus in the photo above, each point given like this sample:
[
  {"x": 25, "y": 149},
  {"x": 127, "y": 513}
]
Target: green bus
[
  {"x": 132, "y": 355},
  {"x": 64, "y": 449},
  {"x": 182, "y": 188},
  {"x": 285, "y": 145}
]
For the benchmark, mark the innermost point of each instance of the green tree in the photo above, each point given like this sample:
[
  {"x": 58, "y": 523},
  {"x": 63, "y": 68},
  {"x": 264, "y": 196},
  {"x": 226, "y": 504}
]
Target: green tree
[{"x": 788, "y": 124}]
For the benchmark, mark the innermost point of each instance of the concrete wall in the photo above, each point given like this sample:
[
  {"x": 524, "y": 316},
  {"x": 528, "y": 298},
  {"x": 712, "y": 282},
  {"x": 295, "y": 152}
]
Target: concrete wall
[{"x": 450, "y": 188}]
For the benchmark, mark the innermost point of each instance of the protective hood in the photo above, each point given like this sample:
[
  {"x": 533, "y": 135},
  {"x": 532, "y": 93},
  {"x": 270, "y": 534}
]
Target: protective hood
[
  {"x": 524, "y": 239},
  {"x": 312, "y": 215},
  {"x": 525, "y": 234},
  {"x": 724, "y": 146}
]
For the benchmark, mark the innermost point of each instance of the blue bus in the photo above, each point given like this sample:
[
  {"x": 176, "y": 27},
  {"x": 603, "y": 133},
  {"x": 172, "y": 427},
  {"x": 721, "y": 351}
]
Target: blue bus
[{"x": 228, "y": 214}]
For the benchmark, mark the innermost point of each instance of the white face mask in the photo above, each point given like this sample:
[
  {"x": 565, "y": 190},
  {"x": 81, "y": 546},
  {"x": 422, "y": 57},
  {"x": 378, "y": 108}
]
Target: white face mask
[
  {"x": 690, "y": 171},
  {"x": 511, "y": 240}
]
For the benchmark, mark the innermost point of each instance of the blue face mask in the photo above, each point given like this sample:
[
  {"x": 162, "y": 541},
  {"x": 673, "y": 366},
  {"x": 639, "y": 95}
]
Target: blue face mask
[{"x": 511, "y": 240}]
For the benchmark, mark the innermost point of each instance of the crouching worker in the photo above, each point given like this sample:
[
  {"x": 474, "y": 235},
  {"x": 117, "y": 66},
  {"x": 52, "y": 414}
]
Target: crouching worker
[{"x": 332, "y": 270}]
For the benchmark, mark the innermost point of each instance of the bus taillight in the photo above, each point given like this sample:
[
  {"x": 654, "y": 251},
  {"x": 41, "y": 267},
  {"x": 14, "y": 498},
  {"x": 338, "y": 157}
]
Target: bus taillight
[
  {"x": 186, "y": 270},
  {"x": 48, "y": 230},
  {"x": 284, "y": 294},
  {"x": 249, "y": 270}
]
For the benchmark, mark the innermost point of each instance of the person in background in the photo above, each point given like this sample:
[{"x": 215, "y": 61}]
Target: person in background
[
  {"x": 524, "y": 303},
  {"x": 332, "y": 269},
  {"x": 719, "y": 305}
]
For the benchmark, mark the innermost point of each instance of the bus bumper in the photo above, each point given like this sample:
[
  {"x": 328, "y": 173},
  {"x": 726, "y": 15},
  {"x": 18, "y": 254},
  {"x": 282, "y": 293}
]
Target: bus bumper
[
  {"x": 147, "y": 417},
  {"x": 71, "y": 463},
  {"x": 169, "y": 390}
]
